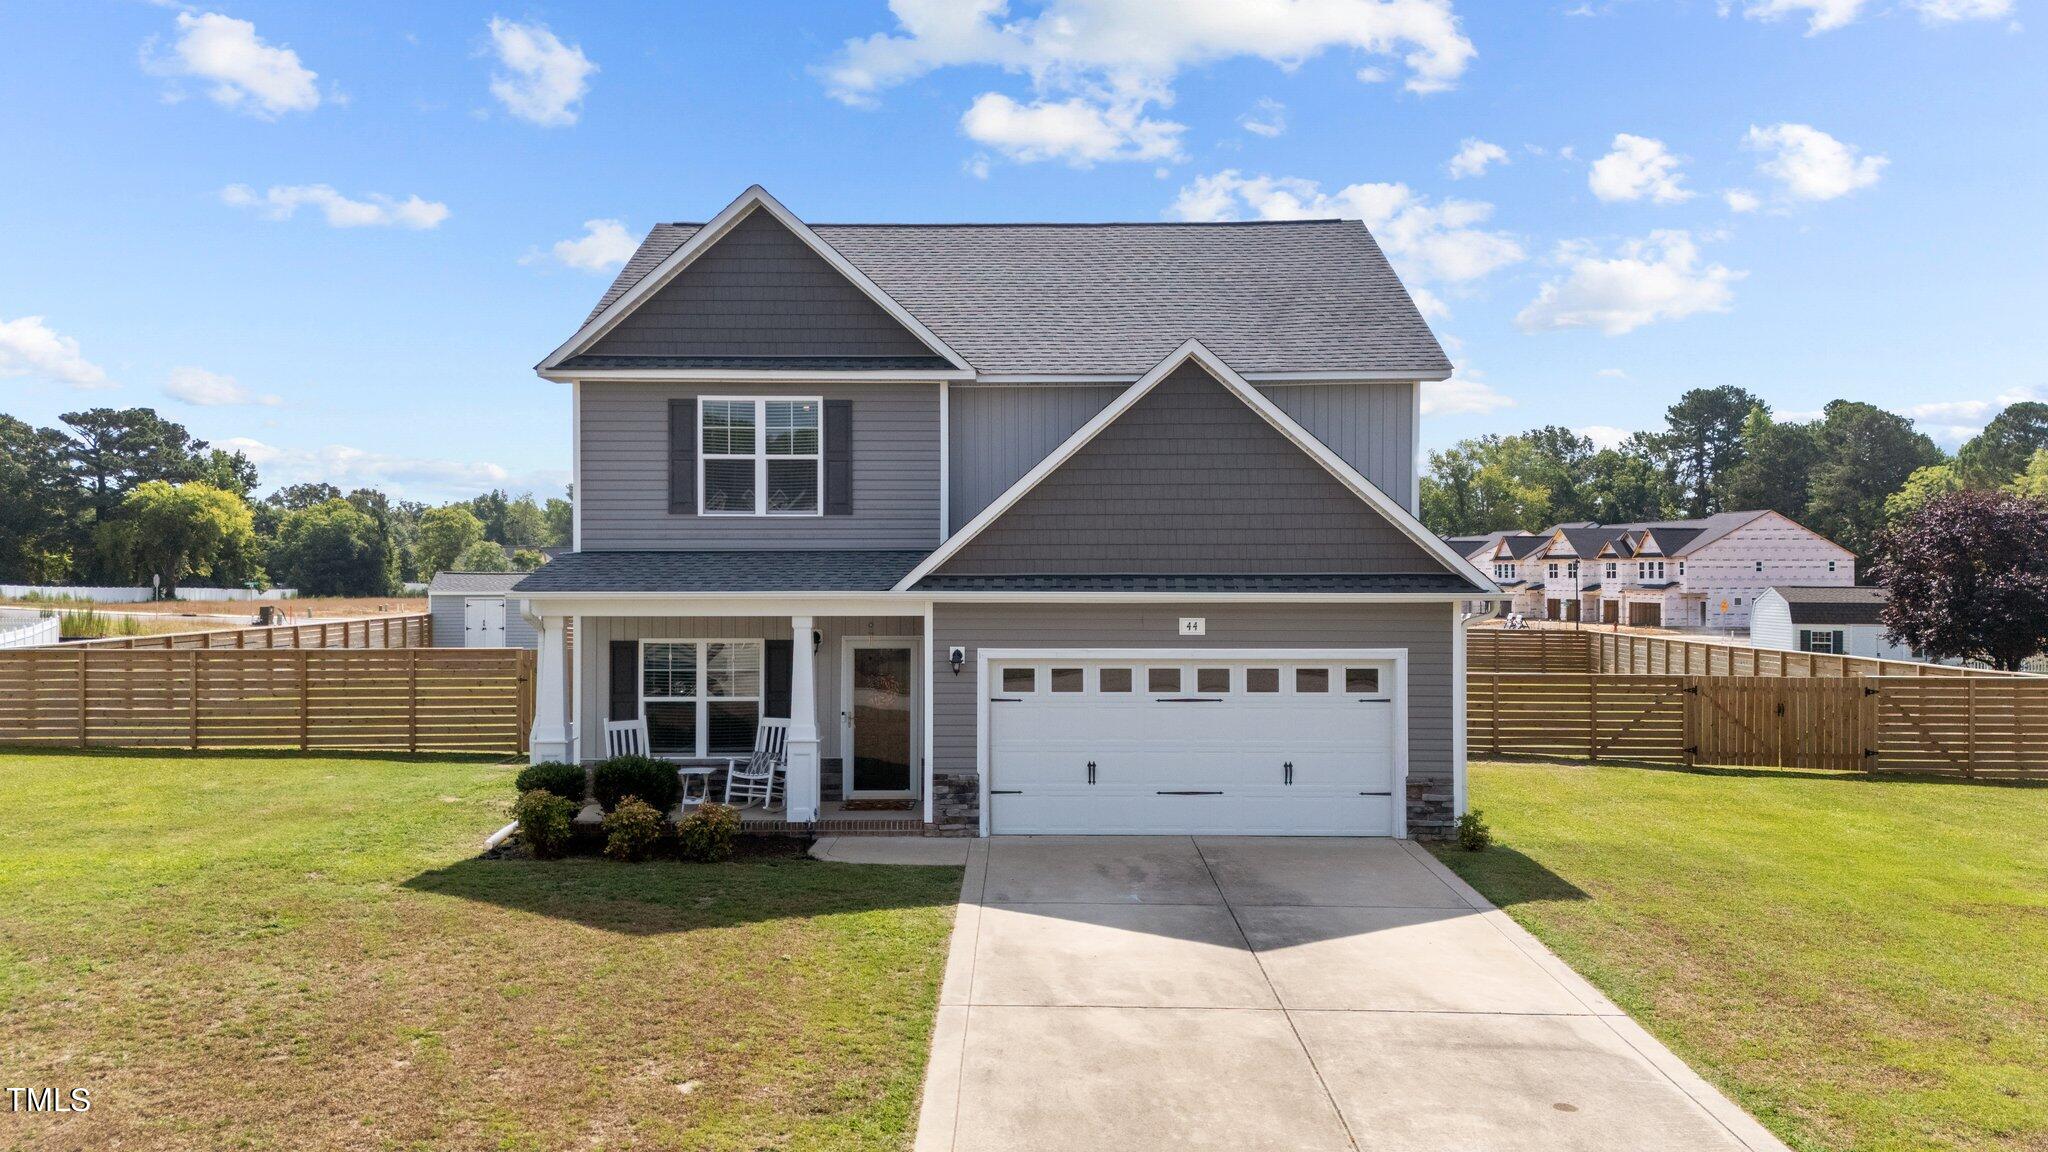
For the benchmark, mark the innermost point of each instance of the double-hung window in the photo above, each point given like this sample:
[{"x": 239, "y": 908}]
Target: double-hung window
[
  {"x": 701, "y": 697},
  {"x": 760, "y": 457}
]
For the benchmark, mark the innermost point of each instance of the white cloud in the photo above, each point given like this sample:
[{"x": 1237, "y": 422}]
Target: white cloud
[
  {"x": 410, "y": 476},
  {"x": 604, "y": 245},
  {"x": 1429, "y": 243},
  {"x": 1466, "y": 393},
  {"x": 1075, "y": 130},
  {"x": 1658, "y": 277},
  {"x": 1828, "y": 15},
  {"x": 1096, "y": 64},
  {"x": 1604, "y": 435},
  {"x": 1954, "y": 421},
  {"x": 375, "y": 210},
  {"x": 206, "y": 389},
  {"x": 1741, "y": 200},
  {"x": 1638, "y": 167},
  {"x": 1612, "y": 373},
  {"x": 245, "y": 73},
  {"x": 1812, "y": 165},
  {"x": 1267, "y": 118},
  {"x": 544, "y": 79},
  {"x": 1473, "y": 157},
  {"x": 31, "y": 348}
]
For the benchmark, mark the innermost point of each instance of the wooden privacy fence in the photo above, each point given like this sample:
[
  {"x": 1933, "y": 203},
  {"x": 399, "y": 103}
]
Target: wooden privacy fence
[
  {"x": 1563, "y": 650},
  {"x": 415, "y": 631},
  {"x": 409, "y": 700},
  {"x": 1988, "y": 727}
]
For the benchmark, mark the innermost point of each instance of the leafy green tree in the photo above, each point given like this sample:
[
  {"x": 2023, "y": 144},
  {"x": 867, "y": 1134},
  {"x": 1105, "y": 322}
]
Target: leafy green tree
[
  {"x": 1485, "y": 484},
  {"x": 172, "y": 531},
  {"x": 227, "y": 471},
  {"x": 1704, "y": 439},
  {"x": 1923, "y": 485},
  {"x": 38, "y": 509},
  {"x": 527, "y": 559},
  {"x": 1623, "y": 486},
  {"x": 490, "y": 508},
  {"x": 1776, "y": 468},
  {"x": 445, "y": 534},
  {"x": 2006, "y": 445},
  {"x": 334, "y": 549},
  {"x": 525, "y": 525},
  {"x": 483, "y": 556},
  {"x": 299, "y": 497},
  {"x": 1866, "y": 455},
  {"x": 2032, "y": 483},
  {"x": 561, "y": 520},
  {"x": 113, "y": 450}
]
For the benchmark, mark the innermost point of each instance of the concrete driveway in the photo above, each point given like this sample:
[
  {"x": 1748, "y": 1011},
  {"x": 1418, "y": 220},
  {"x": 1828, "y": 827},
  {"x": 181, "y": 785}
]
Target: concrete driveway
[{"x": 1173, "y": 993}]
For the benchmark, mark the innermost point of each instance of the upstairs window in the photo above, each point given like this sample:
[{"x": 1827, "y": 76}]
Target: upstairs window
[
  {"x": 1610, "y": 571},
  {"x": 760, "y": 457}
]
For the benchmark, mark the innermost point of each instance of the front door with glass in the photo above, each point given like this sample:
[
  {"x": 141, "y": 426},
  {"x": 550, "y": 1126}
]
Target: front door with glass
[{"x": 879, "y": 719}]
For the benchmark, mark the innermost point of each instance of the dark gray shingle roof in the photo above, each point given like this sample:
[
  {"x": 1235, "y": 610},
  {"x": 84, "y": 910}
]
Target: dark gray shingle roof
[
  {"x": 761, "y": 363},
  {"x": 1337, "y": 582},
  {"x": 792, "y": 571},
  {"x": 1854, "y": 605},
  {"x": 473, "y": 582},
  {"x": 1282, "y": 296}
]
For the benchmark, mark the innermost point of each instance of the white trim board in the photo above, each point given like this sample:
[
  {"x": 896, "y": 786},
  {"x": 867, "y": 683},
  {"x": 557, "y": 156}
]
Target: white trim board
[
  {"x": 1364, "y": 489},
  {"x": 755, "y": 198}
]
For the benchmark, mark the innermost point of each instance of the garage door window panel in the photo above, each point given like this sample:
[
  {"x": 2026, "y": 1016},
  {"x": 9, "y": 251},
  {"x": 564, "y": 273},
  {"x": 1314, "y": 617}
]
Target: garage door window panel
[
  {"x": 1115, "y": 680},
  {"x": 1162, "y": 681},
  {"x": 1067, "y": 679},
  {"x": 1309, "y": 681},
  {"x": 1261, "y": 680},
  {"x": 1212, "y": 680},
  {"x": 1017, "y": 680}
]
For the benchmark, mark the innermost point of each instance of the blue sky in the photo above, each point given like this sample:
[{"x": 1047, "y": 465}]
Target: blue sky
[{"x": 340, "y": 236}]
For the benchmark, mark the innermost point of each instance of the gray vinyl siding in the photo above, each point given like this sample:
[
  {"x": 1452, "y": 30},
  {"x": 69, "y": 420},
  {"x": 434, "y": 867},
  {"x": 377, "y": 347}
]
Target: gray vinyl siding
[
  {"x": 759, "y": 291},
  {"x": 1425, "y": 630},
  {"x": 593, "y": 657},
  {"x": 1189, "y": 480},
  {"x": 624, "y": 487},
  {"x": 998, "y": 433},
  {"x": 447, "y": 611}
]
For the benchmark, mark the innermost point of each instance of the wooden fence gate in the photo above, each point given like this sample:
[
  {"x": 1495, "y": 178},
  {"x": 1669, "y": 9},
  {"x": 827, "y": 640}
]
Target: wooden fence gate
[{"x": 1773, "y": 720}]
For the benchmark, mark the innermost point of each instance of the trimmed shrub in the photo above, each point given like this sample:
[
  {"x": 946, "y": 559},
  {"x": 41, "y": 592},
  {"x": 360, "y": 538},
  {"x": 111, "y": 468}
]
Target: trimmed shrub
[
  {"x": 705, "y": 834},
  {"x": 651, "y": 780},
  {"x": 544, "y": 822},
  {"x": 564, "y": 780},
  {"x": 1473, "y": 833},
  {"x": 632, "y": 831}
]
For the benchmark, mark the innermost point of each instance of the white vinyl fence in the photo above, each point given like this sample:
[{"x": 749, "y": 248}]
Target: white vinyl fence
[
  {"x": 136, "y": 595},
  {"x": 20, "y": 631}
]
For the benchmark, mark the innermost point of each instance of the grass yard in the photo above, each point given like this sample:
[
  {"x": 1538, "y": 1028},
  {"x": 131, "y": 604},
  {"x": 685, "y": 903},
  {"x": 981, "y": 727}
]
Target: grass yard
[
  {"x": 1862, "y": 963},
  {"x": 261, "y": 952}
]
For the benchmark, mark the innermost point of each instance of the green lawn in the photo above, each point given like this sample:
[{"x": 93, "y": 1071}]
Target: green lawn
[
  {"x": 1862, "y": 963},
  {"x": 275, "y": 952}
]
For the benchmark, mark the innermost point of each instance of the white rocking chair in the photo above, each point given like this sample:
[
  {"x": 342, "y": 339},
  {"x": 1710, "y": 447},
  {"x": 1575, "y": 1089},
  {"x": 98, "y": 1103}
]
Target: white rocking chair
[
  {"x": 754, "y": 779},
  {"x": 629, "y": 738}
]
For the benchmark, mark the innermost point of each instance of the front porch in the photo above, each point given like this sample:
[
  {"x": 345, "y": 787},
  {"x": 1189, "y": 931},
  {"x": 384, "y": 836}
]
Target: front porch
[{"x": 853, "y": 688}]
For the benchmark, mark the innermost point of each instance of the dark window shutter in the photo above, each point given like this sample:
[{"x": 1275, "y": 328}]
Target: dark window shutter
[
  {"x": 838, "y": 457},
  {"x": 775, "y": 701},
  {"x": 682, "y": 457},
  {"x": 625, "y": 703},
  {"x": 1840, "y": 645}
]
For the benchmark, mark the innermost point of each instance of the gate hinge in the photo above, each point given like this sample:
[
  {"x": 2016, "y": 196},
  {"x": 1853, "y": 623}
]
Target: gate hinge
[
  {"x": 1869, "y": 752},
  {"x": 1692, "y": 689},
  {"x": 1781, "y": 708},
  {"x": 1692, "y": 749},
  {"x": 1870, "y": 691}
]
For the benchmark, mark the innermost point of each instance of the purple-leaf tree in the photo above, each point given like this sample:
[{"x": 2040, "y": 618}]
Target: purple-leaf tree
[{"x": 1968, "y": 575}]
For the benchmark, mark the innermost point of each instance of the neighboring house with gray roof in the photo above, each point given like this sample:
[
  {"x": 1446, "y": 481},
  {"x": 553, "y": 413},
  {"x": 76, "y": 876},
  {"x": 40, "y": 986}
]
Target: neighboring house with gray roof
[
  {"x": 1843, "y": 621},
  {"x": 1704, "y": 573},
  {"x": 470, "y": 610},
  {"x": 1022, "y": 527}
]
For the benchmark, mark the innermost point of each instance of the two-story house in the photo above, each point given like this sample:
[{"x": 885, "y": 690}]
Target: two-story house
[
  {"x": 1028, "y": 528},
  {"x": 1700, "y": 573}
]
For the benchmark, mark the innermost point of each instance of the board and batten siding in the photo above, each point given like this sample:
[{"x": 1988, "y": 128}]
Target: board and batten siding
[
  {"x": 593, "y": 658},
  {"x": 1190, "y": 480},
  {"x": 999, "y": 432},
  {"x": 759, "y": 291},
  {"x": 624, "y": 488},
  {"x": 1425, "y": 630},
  {"x": 449, "y": 613}
]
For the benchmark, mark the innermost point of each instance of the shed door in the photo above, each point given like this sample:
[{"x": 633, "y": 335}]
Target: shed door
[
  {"x": 483, "y": 622},
  {"x": 1261, "y": 747}
]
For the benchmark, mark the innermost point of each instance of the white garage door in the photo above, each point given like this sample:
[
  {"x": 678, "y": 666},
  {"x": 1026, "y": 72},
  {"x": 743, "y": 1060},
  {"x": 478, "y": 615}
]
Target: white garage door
[{"x": 1253, "y": 747}]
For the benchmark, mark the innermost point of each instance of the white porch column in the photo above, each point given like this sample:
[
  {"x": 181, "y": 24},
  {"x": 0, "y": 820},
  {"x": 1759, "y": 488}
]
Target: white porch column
[
  {"x": 804, "y": 783},
  {"x": 549, "y": 739}
]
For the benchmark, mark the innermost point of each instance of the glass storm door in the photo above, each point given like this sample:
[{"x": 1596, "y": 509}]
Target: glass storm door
[{"x": 880, "y": 734}]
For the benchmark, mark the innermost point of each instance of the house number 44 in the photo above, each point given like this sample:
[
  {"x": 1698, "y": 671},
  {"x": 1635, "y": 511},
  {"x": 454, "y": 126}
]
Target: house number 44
[{"x": 1194, "y": 626}]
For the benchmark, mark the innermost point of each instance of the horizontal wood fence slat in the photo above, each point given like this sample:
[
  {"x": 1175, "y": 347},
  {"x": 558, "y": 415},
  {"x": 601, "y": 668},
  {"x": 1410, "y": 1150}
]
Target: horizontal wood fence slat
[
  {"x": 309, "y": 699},
  {"x": 1987, "y": 727},
  {"x": 1566, "y": 650},
  {"x": 414, "y": 631}
]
